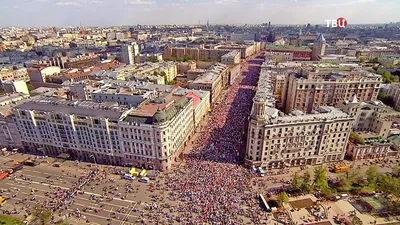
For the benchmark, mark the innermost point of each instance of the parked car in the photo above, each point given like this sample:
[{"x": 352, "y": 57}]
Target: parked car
[{"x": 144, "y": 180}]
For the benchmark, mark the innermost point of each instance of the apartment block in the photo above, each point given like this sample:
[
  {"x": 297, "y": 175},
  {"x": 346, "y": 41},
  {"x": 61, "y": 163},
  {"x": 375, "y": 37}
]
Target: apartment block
[
  {"x": 276, "y": 140},
  {"x": 369, "y": 116},
  {"x": 18, "y": 74},
  {"x": 214, "y": 80},
  {"x": 231, "y": 58},
  {"x": 150, "y": 136},
  {"x": 308, "y": 90}
]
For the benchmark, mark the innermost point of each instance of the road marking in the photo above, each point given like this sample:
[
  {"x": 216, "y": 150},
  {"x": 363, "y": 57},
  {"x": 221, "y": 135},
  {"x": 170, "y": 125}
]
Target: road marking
[
  {"x": 102, "y": 217},
  {"x": 124, "y": 200},
  {"x": 44, "y": 184},
  {"x": 128, "y": 214},
  {"x": 101, "y": 203}
]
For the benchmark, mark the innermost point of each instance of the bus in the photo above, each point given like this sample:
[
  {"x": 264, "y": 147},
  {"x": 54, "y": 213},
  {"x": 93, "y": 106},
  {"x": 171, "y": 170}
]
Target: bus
[
  {"x": 30, "y": 162},
  {"x": 265, "y": 204},
  {"x": 341, "y": 169},
  {"x": 15, "y": 168}
]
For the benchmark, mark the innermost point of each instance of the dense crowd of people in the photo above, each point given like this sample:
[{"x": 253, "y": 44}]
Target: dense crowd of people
[
  {"x": 212, "y": 185},
  {"x": 209, "y": 187}
]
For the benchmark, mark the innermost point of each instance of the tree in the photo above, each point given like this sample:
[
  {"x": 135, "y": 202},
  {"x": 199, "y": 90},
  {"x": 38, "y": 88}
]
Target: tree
[
  {"x": 283, "y": 197},
  {"x": 30, "y": 87},
  {"x": 296, "y": 183},
  {"x": 357, "y": 138},
  {"x": 374, "y": 60},
  {"x": 396, "y": 171},
  {"x": 385, "y": 98},
  {"x": 42, "y": 215},
  {"x": 306, "y": 183},
  {"x": 344, "y": 184},
  {"x": 320, "y": 179},
  {"x": 362, "y": 59},
  {"x": 356, "y": 221},
  {"x": 372, "y": 175}
]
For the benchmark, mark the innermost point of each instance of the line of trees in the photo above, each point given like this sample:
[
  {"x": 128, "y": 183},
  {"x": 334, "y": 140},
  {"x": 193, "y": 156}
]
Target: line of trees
[{"x": 355, "y": 182}]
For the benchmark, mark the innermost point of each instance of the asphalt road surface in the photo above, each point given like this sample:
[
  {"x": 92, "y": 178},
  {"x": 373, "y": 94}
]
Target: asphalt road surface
[{"x": 33, "y": 185}]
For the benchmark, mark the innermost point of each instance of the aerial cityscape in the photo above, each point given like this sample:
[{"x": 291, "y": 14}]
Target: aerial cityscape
[{"x": 199, "y": 112}]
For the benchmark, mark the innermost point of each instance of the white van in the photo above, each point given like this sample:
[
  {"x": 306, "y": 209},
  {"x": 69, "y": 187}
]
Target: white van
[{"x": 128, "y": 177}]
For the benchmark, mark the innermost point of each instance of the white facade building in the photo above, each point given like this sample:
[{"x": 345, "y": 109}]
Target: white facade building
[{"x": 276, "y": 140}]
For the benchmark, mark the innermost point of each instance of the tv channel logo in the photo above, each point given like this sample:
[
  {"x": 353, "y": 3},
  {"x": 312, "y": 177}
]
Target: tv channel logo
[{"x": 340, "y": 23}]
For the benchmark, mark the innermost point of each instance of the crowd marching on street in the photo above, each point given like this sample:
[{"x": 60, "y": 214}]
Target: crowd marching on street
[{"x": 212, "y": 185}]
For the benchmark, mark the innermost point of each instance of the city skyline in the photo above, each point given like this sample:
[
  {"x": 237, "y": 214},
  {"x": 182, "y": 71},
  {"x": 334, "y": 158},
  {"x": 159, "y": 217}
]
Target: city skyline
[{"x": 27, "y": 13}]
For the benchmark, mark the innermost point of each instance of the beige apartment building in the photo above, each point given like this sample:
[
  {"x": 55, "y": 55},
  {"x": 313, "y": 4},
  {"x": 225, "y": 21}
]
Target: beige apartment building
[
  {"x": 19, "y": 74},
  {"x": 276, "y": 140},
  {"x": 328, "y": 86},
  {"x": 374, "y": 147},
  {"x": 231, "y": 58},
  {"x": 369, "y": 116},
  {"x": 214, "y": 80},
  {"x": 196, "y": 53},
  {"x": 149, "y": 136}
]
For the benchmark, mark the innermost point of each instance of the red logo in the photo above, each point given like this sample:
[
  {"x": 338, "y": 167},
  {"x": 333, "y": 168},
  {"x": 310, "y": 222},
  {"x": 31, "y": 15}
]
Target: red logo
[{"x": 341, "y": 23}]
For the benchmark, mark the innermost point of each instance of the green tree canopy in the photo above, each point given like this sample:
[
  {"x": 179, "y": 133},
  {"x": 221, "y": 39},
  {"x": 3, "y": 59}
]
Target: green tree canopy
[
  {"x": 306, "y": 182},
  {"x": 385, "y": 98},
  {"x": 374, "y": 60},
  {"x": 296, "y": 182},
  {"x": 283, "y": 197},
  {"x": 357, "y": 138},
  {"x": 372, "y": 175},
  {"x": 42, "y": 215},
  {"x": 320, "y": 179}
]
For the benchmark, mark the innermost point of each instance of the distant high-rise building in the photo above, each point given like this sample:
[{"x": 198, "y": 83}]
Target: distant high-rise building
[
  {"x": 129, "y": 52},
  {"x": 269, "y": 24}
]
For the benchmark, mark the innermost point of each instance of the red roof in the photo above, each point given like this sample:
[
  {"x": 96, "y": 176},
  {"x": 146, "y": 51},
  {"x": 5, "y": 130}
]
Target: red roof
[{"x": 196, "y": 99}]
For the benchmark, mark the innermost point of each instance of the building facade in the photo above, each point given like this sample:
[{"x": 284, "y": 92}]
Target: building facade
[
  {"x": 308, "y": 91},
  {"x": 369, "y": 116},
  {"x": 231, "y": 58},
  {"x": 214, "y": 80},
  {"x": 374, "y": 147},
  {"x": 394, "y": 91},
  {"x": 276, "y": 140}
]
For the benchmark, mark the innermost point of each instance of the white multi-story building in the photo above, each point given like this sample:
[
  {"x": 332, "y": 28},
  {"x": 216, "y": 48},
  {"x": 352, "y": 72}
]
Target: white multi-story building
[
  {"x": 129, "y": 52},
  {"x": 150, "y": 136},
  {"x": 276, "y": 140}
]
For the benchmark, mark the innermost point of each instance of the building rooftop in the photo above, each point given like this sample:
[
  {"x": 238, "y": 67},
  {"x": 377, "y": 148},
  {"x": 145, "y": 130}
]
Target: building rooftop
[
  {"x": 323, "y": 113},
  {"x": 287, "y": 47},
  {"x": 265, "y": 87},
  {"x": 84, "y": 108},
  {"x": 211, "y": 74},
  {"x": 231, "y": 54},
  {"x": 320, "y": 37}
]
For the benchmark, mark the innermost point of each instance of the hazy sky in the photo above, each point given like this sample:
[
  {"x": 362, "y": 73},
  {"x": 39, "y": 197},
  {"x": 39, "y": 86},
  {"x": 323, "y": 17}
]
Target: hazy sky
[{"x": 132, "y": 12}]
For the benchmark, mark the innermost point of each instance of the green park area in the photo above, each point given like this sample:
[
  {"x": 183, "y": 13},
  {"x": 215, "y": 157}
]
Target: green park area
[
  {"x": 378, "y": 190},
  {"x": 8, "y": 220}
]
